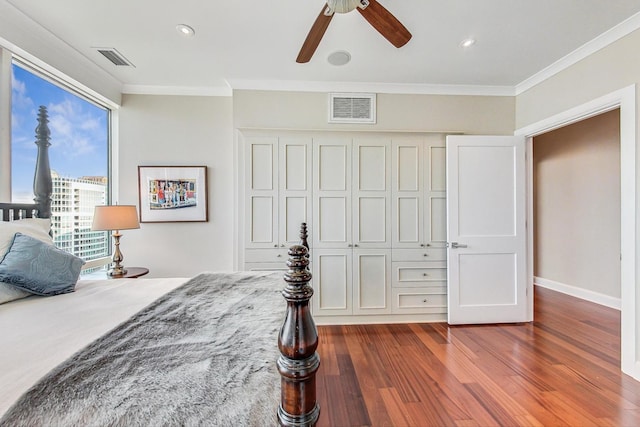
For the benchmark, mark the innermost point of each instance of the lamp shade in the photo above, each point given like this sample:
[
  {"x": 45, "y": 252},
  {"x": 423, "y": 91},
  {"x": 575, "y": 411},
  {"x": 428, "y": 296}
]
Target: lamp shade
[{"x": 116, "y": 217}]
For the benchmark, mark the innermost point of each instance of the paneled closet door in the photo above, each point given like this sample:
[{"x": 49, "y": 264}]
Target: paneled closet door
[
  {"x": 371, "y": 193},
  {"x": 435, "y": 191},
  {"x": 332, "y": 193},
  {"x": 294, "y": 188},
  {"x": 332, "y": 286},
  {"x": 371, "y": 281},
  {"x": 261, "y": 181},
  {"x": 408, "y": 193}
]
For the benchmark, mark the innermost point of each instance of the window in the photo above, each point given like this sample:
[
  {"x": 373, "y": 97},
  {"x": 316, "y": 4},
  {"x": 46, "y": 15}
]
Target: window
[{"x": 79, "y": 157}]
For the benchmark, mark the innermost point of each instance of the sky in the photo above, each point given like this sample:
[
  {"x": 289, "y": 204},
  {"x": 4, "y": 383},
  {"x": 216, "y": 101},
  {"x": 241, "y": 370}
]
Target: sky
[{"x": 79, "y": 133}]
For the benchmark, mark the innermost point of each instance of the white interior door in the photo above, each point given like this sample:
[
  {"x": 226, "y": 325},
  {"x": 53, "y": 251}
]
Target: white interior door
[{"x": 486, "y": 255}]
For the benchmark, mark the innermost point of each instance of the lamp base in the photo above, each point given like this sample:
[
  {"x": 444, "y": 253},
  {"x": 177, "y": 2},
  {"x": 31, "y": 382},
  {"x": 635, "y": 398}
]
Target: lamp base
[{"x": 117, "y": 271}]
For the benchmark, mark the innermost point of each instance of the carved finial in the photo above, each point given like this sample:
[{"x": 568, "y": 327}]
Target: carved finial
[
  {"x": 43, "y": 134},
  {"x": 304, "y": 235},
  {"x": 42, "y": 186}
]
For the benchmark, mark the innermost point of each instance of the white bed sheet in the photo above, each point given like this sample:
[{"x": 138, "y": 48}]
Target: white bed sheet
[{"x": 38, "y": 333}]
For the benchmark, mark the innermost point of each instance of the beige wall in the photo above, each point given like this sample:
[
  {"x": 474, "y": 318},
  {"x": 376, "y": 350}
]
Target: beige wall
[
  {"x": 175, "y": 130},
  {"x": 611, "y": 68},
  {"x": 577, "y": 205},
  {"x": 432, "y": 113}
]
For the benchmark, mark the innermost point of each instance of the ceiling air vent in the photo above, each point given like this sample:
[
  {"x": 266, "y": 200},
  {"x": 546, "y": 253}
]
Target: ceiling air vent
[
  {"x": 114, "y": 56},
  {"x": 352, "y": 108}
]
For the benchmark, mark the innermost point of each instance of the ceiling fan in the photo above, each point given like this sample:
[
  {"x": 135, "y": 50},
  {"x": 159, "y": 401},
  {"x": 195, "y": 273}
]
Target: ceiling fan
[{"x": 379, "y": 17}]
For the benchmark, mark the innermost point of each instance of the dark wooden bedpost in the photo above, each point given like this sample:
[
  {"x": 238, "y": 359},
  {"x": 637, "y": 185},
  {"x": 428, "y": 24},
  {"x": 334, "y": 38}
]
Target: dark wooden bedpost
[
  {"x": 303, "y": 236},
  {"x": 298, "y": 340},
  {"x": 42, "y": 186}
]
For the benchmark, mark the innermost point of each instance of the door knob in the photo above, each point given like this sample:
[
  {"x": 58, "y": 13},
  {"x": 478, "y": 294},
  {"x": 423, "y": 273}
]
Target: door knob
[{"x": 456, "y": 245}]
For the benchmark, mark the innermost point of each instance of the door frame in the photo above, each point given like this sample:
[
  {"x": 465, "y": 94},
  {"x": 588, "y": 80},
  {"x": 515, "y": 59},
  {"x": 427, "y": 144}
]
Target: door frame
[{"x": 625, "y": 99}]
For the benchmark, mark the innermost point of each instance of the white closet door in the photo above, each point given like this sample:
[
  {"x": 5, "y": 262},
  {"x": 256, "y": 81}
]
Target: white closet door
[
  {"x": 486, "y": 258},
  {"x": 371, "y": 281},
  {"x": 261, "y": 204},
  {"x": 332, "y": 193},
  {"x": 294, "y": 188},
  {"x": 435, "y": 192},
  {"x": 371, "y": 193},
  {"x": 331, "y": 282},
  {"x": 407, "y": 193}
]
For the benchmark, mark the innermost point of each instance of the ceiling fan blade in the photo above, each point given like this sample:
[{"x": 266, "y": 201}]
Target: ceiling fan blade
[
  {"x": 386, "y": 24},
  {"x": 315, "y": 35}
]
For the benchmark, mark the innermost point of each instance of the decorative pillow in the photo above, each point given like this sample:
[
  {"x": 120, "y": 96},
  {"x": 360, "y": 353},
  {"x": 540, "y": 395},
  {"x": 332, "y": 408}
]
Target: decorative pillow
[
  {"x": 39, "y": 268},
  {"x": 37, "y": 228},
  {"x": 9, "y": 292}
]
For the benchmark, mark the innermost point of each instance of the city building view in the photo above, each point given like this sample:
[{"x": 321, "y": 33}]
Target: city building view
[{"x": 72, "y": 205}]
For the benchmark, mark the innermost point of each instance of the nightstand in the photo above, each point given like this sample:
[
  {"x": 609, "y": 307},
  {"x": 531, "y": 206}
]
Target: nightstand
[{"x": 132, "y": 273}]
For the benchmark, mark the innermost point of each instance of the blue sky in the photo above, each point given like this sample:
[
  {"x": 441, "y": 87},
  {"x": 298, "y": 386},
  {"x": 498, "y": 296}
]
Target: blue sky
[{"x": 79, "y": 133}]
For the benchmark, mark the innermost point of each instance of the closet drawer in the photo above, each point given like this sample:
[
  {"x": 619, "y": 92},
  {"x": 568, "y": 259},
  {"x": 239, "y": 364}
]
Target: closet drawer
[
  {"x": 411, "y": 274},
  {"x": 418, "y": 300},
  {"x": 266, "y": 255},
  {"x": 427, "y": 254}
]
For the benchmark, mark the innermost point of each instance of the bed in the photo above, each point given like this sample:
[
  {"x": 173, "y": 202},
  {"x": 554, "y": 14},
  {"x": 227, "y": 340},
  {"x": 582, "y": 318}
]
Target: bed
[{"x": 214, "y": 349}]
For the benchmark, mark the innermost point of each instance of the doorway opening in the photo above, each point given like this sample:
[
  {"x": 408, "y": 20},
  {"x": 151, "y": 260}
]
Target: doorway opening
[
  {"x": 625, "y": 100},
  {"x": 576, "y": 204}
]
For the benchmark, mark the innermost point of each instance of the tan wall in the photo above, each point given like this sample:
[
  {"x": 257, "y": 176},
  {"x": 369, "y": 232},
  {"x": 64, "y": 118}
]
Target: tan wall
[
  {"x": 175, "y": 130},
  {"x": 179, "y": 130},
  {"x": 577, "y": 205},
  {"x": 432, "y": 113},
  {"x": 611, "y": 68}
]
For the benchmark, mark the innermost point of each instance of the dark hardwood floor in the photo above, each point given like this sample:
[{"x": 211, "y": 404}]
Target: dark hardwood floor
[{"x": 561, "y": 370}]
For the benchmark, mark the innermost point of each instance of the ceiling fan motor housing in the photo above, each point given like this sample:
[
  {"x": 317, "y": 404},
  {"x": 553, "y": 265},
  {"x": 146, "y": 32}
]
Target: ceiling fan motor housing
[{"x": 345, "y": 6}]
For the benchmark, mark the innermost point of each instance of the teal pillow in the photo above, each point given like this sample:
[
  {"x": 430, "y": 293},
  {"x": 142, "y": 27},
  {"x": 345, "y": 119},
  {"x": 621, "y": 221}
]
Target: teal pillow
[{"x": 38, "y": 267}]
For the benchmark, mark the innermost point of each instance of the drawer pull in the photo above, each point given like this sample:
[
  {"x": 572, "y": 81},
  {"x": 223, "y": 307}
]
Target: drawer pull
[
  {"x": 425, "y": 300},
  {"x": 275, "y": 246},
  {"x": 279, "y": 255},
  {"x": 425, "y": 274},
  {"x": 425, "y": 255}
]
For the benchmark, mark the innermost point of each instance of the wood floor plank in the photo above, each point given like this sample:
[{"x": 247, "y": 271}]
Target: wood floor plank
[{"x": 563, "y": 369}]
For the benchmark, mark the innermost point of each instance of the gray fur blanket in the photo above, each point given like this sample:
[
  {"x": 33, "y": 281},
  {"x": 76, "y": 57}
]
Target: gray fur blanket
[{"x": 202, "y": 355}]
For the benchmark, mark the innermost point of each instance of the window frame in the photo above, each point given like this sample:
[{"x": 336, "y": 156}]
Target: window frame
[{"x": 7, "y": 59}]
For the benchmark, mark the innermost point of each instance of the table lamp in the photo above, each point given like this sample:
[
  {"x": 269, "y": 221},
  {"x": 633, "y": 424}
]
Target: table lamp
[{"x": 116, "y": 218}]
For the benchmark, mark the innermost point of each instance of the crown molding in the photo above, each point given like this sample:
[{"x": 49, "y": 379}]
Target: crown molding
[
  {"x": 358, "y": 87},
  {"x": 610, "y": 36},
  {"x": 177, "y": 90}
]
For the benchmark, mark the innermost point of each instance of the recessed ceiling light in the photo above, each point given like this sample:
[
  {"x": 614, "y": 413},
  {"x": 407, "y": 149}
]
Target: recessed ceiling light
[
  {"x": 185, "y": 30},
  {"x": 467, "y": 43},
  {"x": 340, "y": 57}
]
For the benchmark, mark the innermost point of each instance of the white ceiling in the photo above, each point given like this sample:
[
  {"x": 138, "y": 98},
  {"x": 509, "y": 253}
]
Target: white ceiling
[{"x": 254, "y": 44}]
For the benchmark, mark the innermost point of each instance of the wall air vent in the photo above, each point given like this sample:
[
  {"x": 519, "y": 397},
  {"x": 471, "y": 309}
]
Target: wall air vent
[
  {"x": 114, "y": 56},
  {"x": 352, "y": 108}
]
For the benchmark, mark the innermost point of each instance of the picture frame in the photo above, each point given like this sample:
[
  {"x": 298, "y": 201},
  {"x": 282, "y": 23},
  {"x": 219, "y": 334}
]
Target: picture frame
[{"x": 173, "y": 193}]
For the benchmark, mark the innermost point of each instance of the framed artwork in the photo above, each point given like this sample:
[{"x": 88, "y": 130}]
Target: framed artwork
[{"x": 173, "y": 193}]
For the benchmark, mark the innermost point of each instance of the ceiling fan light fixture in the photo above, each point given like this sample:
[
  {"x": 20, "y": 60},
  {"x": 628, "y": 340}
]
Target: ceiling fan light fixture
[
  {"x": 185, "y": 30},
  {"x": 343, "y": 6},
  {"x": 339, "y": 57}
]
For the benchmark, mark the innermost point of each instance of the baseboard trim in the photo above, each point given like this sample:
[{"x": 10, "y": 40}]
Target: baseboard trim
[{"x": 584, "y": 294}]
